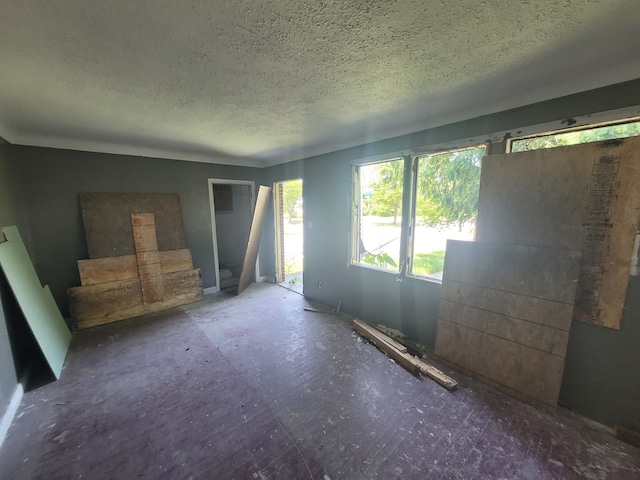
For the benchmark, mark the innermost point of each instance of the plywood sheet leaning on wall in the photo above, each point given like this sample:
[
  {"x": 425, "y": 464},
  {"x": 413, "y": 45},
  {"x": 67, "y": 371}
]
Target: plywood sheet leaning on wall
[
  {"x": 107, "y": 221},
  {"x": 116, "y": 288},
  {"x": 505, "y": 314},
  {"x": 582, "y": 197},
  {"x": 103, "y": 303},
  {"x": 37, "y": 304},
  {"x": 251, "y": 255}
]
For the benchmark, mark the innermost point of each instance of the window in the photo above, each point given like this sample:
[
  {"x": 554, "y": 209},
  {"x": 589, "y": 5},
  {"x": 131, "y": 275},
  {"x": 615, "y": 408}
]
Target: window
[
  {"x": 576, "y": 136},
  {"x": 405, "y": 209},
  {"x": 446, "y": 206},
  {"x": 377, "y": 210}
]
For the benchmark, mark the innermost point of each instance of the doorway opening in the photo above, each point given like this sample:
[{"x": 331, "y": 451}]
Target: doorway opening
[
  {"x": 232, "y": 204},
  {"x": 289, "y": 241}
]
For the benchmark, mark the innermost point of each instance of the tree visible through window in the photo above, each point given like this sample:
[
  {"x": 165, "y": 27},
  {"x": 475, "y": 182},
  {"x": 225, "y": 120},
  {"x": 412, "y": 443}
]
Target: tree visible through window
[
  {"x": 446, "y": 206},
  {"x": 561, "y": 139},
  {"x": 378, "y": 195}
]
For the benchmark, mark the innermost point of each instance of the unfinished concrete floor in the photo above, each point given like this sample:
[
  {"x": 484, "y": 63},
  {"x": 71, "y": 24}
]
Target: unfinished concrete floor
[{"x": 254, "y": 387}]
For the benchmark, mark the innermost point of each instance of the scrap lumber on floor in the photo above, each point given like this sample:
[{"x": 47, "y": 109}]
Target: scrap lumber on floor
[{"x": 398, "y": 352}]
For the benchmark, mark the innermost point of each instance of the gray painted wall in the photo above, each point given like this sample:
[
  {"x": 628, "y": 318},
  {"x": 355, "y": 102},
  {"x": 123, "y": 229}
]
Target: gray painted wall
[
  {"x": 601, "y": 377},
  {"x": 51, "y": 180}
]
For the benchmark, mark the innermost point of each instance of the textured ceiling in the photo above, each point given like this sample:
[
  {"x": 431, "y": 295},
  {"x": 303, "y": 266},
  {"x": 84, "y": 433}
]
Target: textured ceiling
[{"x": 257, "y": 83}]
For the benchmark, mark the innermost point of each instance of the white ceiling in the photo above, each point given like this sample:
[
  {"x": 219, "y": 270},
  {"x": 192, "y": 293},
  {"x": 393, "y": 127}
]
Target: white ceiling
[{"x": 263, "y": 82}]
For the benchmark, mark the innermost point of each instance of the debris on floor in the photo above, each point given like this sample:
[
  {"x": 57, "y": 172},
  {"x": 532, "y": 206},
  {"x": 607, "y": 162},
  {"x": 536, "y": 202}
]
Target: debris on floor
[
  {"x": 415, "y": 348},
  {"x": 398, "y": 353}
]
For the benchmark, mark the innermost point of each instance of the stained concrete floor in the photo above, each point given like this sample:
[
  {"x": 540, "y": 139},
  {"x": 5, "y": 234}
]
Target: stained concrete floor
[{"x": 254, "y": 387}]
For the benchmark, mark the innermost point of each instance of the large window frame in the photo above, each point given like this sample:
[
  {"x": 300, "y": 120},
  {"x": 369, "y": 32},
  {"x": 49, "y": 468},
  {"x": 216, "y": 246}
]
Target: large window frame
[
  {"x": 409, "y": 190},
  {"x": 512, "y": 143},
  {"x": 409, "y": 203}
]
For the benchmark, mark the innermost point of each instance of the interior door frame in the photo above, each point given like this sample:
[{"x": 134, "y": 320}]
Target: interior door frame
[{"x": 214, "y": 234}]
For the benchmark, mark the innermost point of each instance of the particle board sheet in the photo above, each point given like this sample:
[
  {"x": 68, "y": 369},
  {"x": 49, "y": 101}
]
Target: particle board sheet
[
  {"x": 36, "y": 302},
  {"x": 582, "y": 197},
  {"x": 505, "y": 314},
  {"x": 251, "y": 254},
  {"x": 107, "y": 221}
]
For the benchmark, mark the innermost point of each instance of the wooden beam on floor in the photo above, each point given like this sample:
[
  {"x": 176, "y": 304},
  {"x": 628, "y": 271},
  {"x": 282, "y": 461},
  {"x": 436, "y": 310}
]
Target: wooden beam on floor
[{"x": 398, "y": 352}]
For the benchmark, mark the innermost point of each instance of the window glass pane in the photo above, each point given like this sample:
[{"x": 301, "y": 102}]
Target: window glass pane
[
  {"x": 380, "y": 214},
  {"x": 446, "y": 206},
  {"x": 597, "y": 134}
]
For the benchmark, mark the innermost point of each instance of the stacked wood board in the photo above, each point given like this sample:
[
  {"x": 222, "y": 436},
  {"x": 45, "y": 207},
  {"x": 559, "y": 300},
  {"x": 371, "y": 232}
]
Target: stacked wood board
[
  {"x": 143, "y": 268},
  {"x": 505, "y": 314}
]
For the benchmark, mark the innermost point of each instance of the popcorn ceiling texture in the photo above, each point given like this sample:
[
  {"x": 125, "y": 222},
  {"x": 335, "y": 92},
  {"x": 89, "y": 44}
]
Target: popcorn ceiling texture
[{"x": 258, "y": 83}]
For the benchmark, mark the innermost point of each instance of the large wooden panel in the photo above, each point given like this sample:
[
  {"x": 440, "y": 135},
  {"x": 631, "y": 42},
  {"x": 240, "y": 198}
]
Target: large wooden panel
[
  {"x": 108, "y": 227},
  {"x": 485, "y": 266},
  {"x": 37, "y": 303},
  {"x": 176, "y": 260},
  {"x": 583, "y": 197},
  {"x": 110, "y": 269},
  {"x": 534, "y": 374},
  {"x": 532, "y": 309},
  {"x": 251, "y": 255},
  {"x": 505, "y": 315},
  {"x": 93, "y": 305}
]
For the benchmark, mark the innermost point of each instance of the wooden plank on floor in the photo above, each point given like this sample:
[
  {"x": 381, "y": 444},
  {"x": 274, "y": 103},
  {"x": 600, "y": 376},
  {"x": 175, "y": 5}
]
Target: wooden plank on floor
[
  {"x": 399, "y": 353},
  {"x": 373, "y": 333},
  {"x": 400, "y": 357},
  {"x": 432, "y": 372}
]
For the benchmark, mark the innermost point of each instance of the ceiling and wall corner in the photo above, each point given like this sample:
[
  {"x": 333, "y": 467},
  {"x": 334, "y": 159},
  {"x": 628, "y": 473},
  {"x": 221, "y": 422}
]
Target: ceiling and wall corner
[{"x": 260, "y": 83}]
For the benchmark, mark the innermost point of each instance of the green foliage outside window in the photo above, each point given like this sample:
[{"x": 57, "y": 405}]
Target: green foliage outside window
[
  {"x": 448, "y": 187},
  {"x": 597, "y": 134}
]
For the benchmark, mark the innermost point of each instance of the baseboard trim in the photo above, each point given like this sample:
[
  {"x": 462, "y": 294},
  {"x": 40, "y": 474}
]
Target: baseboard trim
[
  {"x": 7, "y": 418},
  {"x": 209, "y": 290},
  {"x": 266, "y": 279}
]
